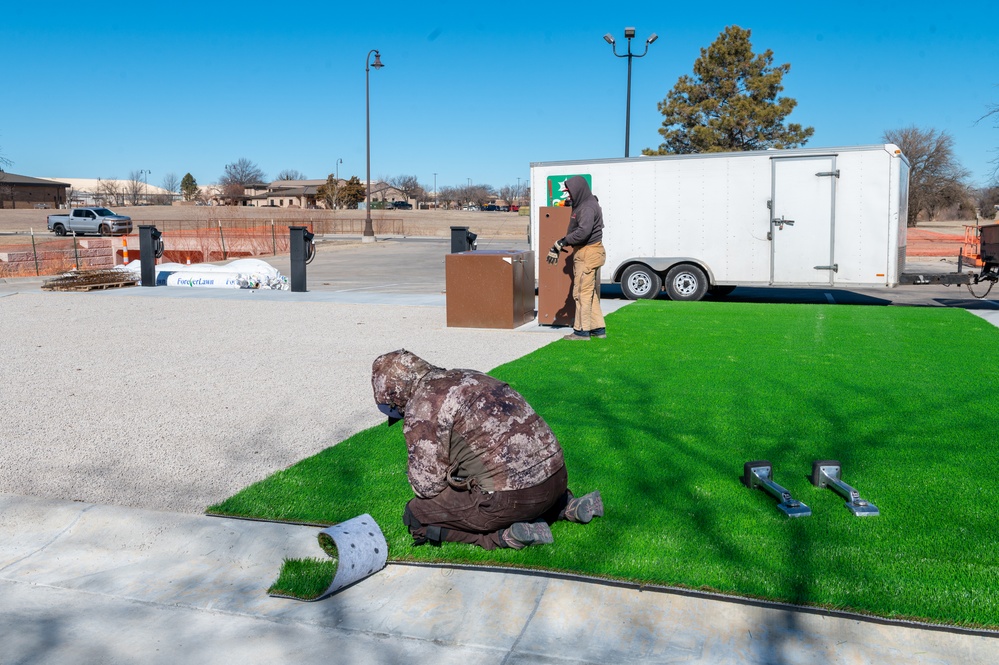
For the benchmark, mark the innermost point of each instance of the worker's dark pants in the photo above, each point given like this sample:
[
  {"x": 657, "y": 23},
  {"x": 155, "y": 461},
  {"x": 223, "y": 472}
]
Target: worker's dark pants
[{"x": 477, "y": 518}]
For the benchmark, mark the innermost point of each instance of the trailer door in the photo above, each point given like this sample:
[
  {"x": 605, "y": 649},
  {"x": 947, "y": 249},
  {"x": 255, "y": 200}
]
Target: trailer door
[{"x": 802, "y": 214}]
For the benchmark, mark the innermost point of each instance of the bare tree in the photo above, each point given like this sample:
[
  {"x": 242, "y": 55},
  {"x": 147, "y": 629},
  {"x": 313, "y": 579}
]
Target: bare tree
[
  {"x": 110, "y": 192},
  {"x": 237, "y": 177},
  {"x": 935, "y": 176},
  {"x": 447, "y": 196},
  {"x": 478, "y": 194},
  {"x": 424, "y": 195},
  {"x": 987, "y": 199},
  {"x": 509, "y": 194},
  {"x": 4, "y": 162},
  {"x": 409, "y": 185},
  {"x": 232, "y": 192},
  {"x": 291, "y": 174},
  {"x": 205, "y": 194},
  {"x": 171, "y": 183},
  {"x": 328, "y": 193},
  {"x": 242, "y": 172},
  {"x": 993, "y": 110},
  {"x": 134, "y": 188}
]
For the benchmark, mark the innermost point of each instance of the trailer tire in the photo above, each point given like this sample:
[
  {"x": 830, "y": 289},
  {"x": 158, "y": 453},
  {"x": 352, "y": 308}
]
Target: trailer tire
[
  {"x": 59, "y": 229},
  {"x": 640, "y": 282},
  {"x": 686, "y": 282}
]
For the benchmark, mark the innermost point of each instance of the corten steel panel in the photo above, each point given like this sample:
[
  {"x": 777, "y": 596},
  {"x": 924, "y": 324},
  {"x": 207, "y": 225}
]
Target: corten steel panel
[
  {"x": 555, "y": 304},
  {"x": 990, "y": 242},
  {"x": 489, "y": 289}
]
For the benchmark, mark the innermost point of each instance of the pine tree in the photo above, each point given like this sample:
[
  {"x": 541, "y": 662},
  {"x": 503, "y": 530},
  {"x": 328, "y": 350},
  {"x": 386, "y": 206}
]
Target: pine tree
[
  {"x": 730, "y": 103},
  {"x": 352, "y": 193},
  {"x": 189, "y": 187}
]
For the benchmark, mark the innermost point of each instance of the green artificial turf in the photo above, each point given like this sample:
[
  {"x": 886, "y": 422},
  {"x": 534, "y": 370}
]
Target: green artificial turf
[
  {"x": 305, "y": 579},
  {"x": 662, "y": 415}
]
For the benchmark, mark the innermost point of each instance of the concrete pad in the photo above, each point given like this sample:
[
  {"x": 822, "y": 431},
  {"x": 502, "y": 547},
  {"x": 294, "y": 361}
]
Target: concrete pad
[
  {"x": 992, "y": 316},
  {"x": 89, "y": 583}
]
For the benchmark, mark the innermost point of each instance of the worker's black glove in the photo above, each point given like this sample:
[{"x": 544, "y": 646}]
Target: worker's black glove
[{"x": 554, "y": 251}]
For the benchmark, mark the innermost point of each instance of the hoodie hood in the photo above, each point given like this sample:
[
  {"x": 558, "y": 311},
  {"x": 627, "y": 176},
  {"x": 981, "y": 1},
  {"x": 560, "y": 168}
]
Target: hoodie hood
[
  {"x": 578, "y": 190},
  {"x": 394, "y": 376}
]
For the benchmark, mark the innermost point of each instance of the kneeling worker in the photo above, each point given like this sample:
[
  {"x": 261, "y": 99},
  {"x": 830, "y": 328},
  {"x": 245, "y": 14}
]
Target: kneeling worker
[{"x": 486, "y": 469}]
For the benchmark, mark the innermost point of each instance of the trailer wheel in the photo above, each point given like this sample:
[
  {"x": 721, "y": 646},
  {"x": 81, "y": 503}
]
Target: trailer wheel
[
  {"x": 104, "y": 230},
  {"x": 686, "y": 282},
  {"x": 640, "y": 282},
  {"x": 59, "y": 229}
]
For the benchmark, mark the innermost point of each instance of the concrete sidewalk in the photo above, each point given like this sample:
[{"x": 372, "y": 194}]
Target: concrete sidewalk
[{"x": 85, "y": 583}]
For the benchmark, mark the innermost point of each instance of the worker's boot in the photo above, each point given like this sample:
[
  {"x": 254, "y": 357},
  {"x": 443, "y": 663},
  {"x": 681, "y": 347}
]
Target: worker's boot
[
  {"x": 522, "y": 534},
  {"x": 583, "y": 509}
]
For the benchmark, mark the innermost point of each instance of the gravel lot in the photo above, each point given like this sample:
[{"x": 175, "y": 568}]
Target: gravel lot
[{"x": 176, "y": 403}]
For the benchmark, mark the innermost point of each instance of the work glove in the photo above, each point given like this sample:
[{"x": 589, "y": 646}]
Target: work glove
[{"x": 554, "y": 251}]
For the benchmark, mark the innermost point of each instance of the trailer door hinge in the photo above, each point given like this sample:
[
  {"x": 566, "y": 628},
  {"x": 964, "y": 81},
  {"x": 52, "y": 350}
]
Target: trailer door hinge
[
  {"x": 835, "y": 173},
  {"x": 834, "y": 267}
]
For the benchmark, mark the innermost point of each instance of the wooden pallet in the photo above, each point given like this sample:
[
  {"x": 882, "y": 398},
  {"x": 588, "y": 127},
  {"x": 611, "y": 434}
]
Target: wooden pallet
[{"x": 69, "y": 286}]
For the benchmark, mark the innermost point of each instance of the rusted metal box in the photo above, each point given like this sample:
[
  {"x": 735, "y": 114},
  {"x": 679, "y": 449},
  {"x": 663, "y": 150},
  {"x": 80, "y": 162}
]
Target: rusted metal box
[
  {"x": 555, "y": 304},
  {"x": 489, "y": 289}
]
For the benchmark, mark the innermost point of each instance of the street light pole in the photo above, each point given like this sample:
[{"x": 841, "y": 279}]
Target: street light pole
[
  {"x": 336, "y": 185},
  {"x": 629, "y": 34},
  {"x": 369, "y": 230},
  {"x": 435, "y": 192},
  {"x": 145, "y": 184}
]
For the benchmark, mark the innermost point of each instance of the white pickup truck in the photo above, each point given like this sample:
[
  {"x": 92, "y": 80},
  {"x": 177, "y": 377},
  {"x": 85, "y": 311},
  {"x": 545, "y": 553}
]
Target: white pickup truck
[{"x": 90, "y": 220}]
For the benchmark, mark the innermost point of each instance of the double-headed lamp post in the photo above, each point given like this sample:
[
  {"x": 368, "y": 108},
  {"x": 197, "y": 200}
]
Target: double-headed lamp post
[
  {"x": 145, "y": 184},
  {"x": 369, "y": 230},
  {"x": 629, "y": 34}
]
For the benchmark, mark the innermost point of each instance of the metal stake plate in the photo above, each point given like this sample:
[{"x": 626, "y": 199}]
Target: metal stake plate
[
  {"x": 826, "y": 473},
  {"x": 759, "y": 474}
]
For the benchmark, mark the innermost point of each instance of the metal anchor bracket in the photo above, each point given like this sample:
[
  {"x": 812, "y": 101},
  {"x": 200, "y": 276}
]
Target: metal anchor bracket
[
  {"x": 826, "y": 473},
  {"x": 760, "y": 474}
]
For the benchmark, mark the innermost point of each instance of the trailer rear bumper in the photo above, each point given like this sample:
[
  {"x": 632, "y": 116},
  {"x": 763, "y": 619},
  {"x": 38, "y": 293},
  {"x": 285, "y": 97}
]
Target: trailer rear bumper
[{"x": 944, "y": 278}]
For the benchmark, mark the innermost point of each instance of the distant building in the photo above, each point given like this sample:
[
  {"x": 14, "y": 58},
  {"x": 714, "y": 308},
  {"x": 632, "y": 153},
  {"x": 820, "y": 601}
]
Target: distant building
[
  {"x": 115, "y": 193},
  {"x": 21, "y": 191},
  {"x": 304, "y": 194}
]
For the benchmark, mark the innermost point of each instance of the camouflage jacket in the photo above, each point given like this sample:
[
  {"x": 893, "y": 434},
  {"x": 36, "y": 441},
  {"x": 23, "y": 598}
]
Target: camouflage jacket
[{"x": 464, "y": 428}]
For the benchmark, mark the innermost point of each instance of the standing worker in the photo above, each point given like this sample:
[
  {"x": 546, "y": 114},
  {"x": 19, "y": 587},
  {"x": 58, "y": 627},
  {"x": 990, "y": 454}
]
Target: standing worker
[
  {"x": 485, "y": 467},
  {"x": 586, "y": 232}
]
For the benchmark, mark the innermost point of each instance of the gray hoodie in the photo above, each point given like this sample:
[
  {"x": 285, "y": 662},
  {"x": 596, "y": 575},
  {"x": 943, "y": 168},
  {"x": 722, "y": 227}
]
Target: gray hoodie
[{"x": 586, "y": 226}]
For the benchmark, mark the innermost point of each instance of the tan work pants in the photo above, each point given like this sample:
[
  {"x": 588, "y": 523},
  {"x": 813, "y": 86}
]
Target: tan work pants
[{"x": 586, "y": 264}]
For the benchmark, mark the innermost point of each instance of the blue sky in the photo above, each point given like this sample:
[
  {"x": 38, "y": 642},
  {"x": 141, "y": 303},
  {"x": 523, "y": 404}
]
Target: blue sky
[{"x": 469, "y": 90}]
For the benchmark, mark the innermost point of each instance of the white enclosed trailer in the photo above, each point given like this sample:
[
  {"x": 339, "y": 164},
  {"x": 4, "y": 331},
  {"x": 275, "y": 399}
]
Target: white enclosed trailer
[{"x": 693, "y": 223}]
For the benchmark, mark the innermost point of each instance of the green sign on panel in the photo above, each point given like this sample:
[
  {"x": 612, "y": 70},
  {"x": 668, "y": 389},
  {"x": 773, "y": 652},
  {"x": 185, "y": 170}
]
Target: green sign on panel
[{"x": 556, "y": 188}]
